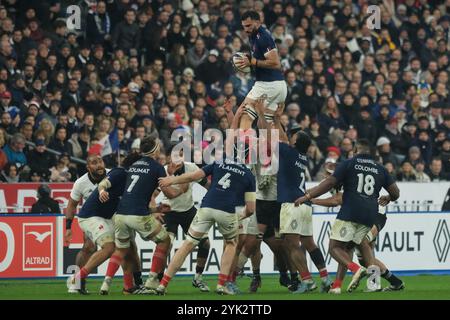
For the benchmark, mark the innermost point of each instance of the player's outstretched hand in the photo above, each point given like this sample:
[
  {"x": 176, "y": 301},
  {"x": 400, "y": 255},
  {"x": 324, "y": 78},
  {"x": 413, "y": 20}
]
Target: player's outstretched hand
[
  {"x": 384, "y": 200},
  {"x": 159, "y": 216},
  {"x": 259, "y": 105},
  {"x": 243, "y": 62},
  {"x": 279, "y": 110},
  {"x": 228, "y": 105},
  {"x": 299, "y": 201},
  {"x": 103, "y": 196},
  {"x": 166, "y": 181}
]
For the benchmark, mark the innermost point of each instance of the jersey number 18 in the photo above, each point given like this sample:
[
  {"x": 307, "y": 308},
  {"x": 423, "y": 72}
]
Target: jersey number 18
[{"x": 366, "y": 184}]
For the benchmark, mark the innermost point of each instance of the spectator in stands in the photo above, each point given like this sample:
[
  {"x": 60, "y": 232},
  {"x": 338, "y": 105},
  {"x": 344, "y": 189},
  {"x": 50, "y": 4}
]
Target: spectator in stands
[
  {"x": 59, "y": 142},
  {"x": 45, "y": 204},
  {"x": 421, "y": 176},
  {"x": 406, "y": 172},
  {"x": 60, "y": 172},
  {"x": 40, "y": 160},
  {"x": 384, "y": 150},
  {"x": 14, "y": 150},
  {"x": 126, "y": 34},
  {"x": 435, "y": 171},
  {"x": 10, "y": 173},
  {"x": 3, "y": 157}
]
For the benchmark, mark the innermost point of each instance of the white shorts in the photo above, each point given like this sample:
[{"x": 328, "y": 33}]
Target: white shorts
[
  {"x": 126, "y": 227},
  {"x": 206, "y": 217},
  {"x": 276, "y": 92},
  {"x": 98, "y": 229},
  {"x": 249, "y": 225},
  {"x": 296, "y": 220},
  {"x": 347, "y": 231}
]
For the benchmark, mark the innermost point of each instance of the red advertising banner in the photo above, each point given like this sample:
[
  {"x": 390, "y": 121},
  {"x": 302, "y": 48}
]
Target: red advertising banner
[
  {"x": 19, "y": 197},
  {"x": 29, "y": 246}
]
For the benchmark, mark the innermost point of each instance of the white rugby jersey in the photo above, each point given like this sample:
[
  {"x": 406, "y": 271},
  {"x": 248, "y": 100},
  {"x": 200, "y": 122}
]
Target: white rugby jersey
[
  {"x": 83, "y": 187},
  {"x": 184, "y": 201},
  {"x": 269, "y": 192}
]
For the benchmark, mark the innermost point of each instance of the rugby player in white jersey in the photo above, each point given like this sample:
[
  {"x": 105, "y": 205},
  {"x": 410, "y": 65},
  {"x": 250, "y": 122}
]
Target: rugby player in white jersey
[
  {"x": 182, "y": 213},
  {"x": 264, "y": 225},
  {"x": 81, "y": 190}
]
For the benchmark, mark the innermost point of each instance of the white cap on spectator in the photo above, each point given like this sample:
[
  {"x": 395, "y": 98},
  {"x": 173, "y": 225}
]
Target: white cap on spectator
[
  {"x": 214, "y": 52},
  {"x": 382, "y": 141},
  {"x": 401, "y": 7},
  {"x": 188, "y": 71},
  {"x": 329, "y": 18},
  {"x": 133, "y": 87},
  {"x": 187, "y": 5}
]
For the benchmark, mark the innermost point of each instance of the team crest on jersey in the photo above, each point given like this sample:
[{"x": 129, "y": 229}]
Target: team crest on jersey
[{"x": 294, "y": 224}]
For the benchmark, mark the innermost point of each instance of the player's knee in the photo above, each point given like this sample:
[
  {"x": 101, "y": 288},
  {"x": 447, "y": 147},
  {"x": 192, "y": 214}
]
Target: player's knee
[
  {"x": 162, "y": 236},
  {"x": 89, "y": 247},
  {"x": 192, "y": 240},
  {"x": 109, "y": 248},
  {"x": 231, "y": 241},
  {"x": 123, "y": 243},
  {"x": 204, "y": 243},
  {"x": 308, "y": 243}
]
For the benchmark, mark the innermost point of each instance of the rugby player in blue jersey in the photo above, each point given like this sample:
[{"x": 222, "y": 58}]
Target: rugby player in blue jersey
[
  {"x": 395, "y": 284},
  {"x": 267, "y": 68},
  {"x": 133, "y": 215},
  {"x": 362, "y": 179},
  {"x": 296, "y": 221},
  {"x": 95, "y": 219},
  {"x": 232, "y": 184}
]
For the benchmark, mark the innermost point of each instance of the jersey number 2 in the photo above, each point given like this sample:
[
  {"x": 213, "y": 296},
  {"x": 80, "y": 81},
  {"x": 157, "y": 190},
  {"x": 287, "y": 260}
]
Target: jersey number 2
[
  {"x": 135, "y": 179},
  {"x": 302, "y": 183},
  {"x": 224, "y": 181},
  {"x": 366, "y": 183}
]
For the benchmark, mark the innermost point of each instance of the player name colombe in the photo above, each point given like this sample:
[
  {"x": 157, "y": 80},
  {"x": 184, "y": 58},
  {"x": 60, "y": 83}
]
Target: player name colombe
[{"x": 235, "y": 309}]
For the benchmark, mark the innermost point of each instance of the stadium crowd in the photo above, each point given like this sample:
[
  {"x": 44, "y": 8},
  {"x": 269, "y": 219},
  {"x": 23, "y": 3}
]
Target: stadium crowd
[{"x": 139, "y": 67}]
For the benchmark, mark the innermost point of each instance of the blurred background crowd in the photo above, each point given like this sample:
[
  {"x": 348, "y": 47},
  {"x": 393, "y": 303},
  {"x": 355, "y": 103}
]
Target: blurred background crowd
[{"x": 148, "y": 67}]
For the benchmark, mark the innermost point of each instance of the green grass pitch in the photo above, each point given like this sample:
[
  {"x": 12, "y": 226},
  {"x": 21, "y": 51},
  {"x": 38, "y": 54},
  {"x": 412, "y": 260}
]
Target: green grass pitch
[{"x": 417, "y": 287}]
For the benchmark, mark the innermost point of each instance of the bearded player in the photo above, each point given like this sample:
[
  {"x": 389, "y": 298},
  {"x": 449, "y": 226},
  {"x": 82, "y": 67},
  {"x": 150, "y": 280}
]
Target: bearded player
[{"x": 266, "y": 62}]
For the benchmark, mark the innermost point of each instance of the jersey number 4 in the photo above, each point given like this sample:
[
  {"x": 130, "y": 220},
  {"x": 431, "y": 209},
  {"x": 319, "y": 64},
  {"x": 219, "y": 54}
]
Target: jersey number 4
[
  {"x": 366, "y": 184},
  {"x": 225, "y": 181},
  {"x": 134, "y": 179}
]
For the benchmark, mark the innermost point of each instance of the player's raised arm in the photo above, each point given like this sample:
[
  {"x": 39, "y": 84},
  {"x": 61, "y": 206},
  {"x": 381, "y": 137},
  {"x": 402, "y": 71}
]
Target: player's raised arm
[{"x": 277, "y": 123}]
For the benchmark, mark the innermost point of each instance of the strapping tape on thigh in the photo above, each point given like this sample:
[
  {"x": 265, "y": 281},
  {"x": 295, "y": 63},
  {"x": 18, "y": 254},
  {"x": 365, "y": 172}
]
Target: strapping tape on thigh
[{"x": 251, "y": 112}]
